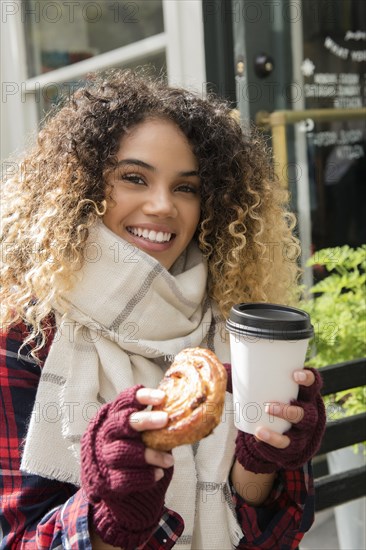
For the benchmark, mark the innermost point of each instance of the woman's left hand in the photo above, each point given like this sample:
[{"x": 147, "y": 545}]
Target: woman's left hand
[
  {"x": 268, "y": 451},
  {"x": 291, "y": 413}
]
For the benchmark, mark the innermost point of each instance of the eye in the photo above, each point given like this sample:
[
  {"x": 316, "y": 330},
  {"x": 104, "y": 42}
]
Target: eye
[
  {"x": 133, "y": 178},
  {"x": 188, "y": 188}
]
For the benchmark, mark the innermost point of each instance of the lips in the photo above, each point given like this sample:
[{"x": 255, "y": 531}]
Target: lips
[{"x": 150, "y": 234}]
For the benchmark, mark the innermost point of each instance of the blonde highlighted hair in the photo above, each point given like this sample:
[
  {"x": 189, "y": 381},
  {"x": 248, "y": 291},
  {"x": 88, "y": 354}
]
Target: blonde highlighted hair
[{"x": 59, "y": 191}]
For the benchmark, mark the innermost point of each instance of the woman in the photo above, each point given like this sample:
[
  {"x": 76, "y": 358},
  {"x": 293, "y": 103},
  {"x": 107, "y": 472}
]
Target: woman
[{"x": 140, "y": 217}]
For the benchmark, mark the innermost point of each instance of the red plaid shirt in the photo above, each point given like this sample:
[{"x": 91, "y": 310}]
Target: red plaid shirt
[{"x": 38, "y": 513}]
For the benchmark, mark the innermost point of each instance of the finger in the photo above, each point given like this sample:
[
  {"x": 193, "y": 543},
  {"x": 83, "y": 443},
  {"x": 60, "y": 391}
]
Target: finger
[
  {"x": 148, "y": 420},
  {"x": 304, "y": 377},
  {"x": 274, "y": 439},
  {"x": 291, "y": 413},
  {"x": 157, "y": 458},
  {"x": 149, "y": 396}
]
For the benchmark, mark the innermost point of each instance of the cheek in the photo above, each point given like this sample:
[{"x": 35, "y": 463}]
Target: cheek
[{"x": 118, "y": 206}]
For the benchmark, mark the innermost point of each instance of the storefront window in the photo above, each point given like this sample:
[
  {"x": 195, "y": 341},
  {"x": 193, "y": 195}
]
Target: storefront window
[{"x": 60, "y": 33}]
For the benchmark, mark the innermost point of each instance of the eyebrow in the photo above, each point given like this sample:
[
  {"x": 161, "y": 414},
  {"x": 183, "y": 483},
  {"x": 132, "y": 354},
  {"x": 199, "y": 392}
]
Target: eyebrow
[{"x": 137, "y": 162}]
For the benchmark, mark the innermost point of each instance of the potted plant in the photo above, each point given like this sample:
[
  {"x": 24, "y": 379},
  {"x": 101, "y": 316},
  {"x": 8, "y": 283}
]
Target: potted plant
[{"x": 338, "y": 313}]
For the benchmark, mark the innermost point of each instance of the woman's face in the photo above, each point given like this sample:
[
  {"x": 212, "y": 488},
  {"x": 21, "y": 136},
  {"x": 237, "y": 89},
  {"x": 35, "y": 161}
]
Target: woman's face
[{"x": 155, "y": 191}]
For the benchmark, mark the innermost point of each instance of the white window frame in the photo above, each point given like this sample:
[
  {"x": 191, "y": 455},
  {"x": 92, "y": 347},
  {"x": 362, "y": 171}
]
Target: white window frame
[
  {"x": 183, "y": 24},
  {"x": 182, "y": 41}
]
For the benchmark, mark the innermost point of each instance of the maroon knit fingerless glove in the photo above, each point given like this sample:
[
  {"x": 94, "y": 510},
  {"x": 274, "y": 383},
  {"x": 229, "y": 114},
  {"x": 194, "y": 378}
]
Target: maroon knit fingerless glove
[
  {"x": 127, "y": 501},
  {"x": 259, "y": 457}
]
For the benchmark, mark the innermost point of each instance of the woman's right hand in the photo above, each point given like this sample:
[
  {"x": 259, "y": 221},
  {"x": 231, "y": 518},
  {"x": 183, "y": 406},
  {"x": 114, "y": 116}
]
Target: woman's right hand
[
  {"x": 152, "y": 420},
  {"x": 124, "y": 481}
]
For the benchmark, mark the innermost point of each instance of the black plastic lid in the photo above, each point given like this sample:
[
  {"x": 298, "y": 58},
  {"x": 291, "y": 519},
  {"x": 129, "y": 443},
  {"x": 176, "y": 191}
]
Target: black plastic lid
[{"x": 272, "y": 321}]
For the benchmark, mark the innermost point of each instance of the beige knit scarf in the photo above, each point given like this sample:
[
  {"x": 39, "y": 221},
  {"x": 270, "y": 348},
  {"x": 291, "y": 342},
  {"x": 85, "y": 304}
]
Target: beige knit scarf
[{"x": 120, "y": 325}]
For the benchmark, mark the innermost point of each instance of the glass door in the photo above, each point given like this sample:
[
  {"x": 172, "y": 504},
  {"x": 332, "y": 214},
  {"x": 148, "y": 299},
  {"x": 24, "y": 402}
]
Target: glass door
[
  {"x": 301, "y": 65},
  {"x": 334, "y": 74}
]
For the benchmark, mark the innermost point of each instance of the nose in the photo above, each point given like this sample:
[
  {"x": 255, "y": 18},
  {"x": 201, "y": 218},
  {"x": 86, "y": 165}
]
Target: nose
[{"x": 160, "y": 202}]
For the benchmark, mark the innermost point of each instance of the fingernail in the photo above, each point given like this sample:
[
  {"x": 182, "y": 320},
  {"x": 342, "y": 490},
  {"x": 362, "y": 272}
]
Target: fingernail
[
  {"x": 158, "y": 418},
  {"x": 300, "y": 376},
  {"x": 263, "y": 434},
  {"x": 159, "y": 474},
  {"x": 134, "y": 418}
]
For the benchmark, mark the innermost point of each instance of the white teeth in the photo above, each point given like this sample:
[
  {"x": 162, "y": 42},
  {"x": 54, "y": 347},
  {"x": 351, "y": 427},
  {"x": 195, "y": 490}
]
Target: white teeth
[{"x": 154, "y": 236}]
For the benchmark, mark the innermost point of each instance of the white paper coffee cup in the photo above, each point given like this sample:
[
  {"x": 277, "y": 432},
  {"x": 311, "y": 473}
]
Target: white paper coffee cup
[{"x": 268, "y": 342}]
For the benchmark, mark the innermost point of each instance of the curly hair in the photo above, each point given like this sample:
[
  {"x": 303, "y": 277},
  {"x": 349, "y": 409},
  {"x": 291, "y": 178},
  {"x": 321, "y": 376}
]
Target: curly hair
[{"x": 59, "y": 191}]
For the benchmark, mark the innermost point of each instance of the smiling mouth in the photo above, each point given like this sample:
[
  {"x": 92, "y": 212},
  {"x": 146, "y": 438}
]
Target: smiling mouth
[{"x": 151, "y": 235}]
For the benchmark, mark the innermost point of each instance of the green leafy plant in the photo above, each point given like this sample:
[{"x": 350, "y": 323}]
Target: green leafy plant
[{"x": 338, "y": 313}]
